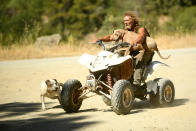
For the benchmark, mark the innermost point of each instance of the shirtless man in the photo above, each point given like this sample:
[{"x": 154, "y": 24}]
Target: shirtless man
[{"x": 142, "y": 57}]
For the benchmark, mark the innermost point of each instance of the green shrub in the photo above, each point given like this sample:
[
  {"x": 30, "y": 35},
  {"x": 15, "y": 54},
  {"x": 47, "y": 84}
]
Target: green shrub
[{"x": 183, "y": 21}]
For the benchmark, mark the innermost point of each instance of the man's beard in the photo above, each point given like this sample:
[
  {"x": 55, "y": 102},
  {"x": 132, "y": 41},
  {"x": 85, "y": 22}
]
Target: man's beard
[{"x": 129, "y": 28}]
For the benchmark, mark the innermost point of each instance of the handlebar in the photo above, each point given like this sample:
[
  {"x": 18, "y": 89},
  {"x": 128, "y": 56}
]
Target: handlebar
[
  {"x": 112, "y": 49},
  {"x": 100, "y": 42}
]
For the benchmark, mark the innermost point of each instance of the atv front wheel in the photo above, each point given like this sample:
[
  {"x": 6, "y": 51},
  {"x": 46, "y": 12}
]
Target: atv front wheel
[
  {"x": 122, "y": 97},
  {"x": 165, "y": 93},
  {"x": 70, "y": 96}
]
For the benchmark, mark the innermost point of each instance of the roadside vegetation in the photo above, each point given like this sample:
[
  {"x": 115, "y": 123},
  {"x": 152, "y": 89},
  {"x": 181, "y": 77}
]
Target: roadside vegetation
[{"x": 171, "y": 22}]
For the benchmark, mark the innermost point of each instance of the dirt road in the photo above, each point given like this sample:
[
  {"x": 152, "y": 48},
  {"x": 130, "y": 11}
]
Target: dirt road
[{"x": 20, "y": 107}]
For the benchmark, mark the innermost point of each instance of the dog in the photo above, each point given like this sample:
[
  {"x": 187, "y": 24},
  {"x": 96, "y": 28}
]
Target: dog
[
  {"x": 51, "y": 89},
  {"x": 128, "y": 36}
]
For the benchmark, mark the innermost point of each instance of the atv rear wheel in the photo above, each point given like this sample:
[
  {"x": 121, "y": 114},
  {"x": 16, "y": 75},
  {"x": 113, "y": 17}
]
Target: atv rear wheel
[
  {"x": 70, "y": 96},
  {"x": 165, "y": 94},
  {"x": 122, "y": 97}
]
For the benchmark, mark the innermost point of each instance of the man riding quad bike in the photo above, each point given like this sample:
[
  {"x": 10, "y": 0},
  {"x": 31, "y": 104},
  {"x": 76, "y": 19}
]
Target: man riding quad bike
[
  {"x": 111, "y": 76},
  {"x": 119, "y": 74}
]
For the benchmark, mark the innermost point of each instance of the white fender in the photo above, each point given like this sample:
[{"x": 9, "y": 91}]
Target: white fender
[
  {"x": 102, "y": 61},
  {"x": 153, "y": 65},
  {"x": 86, "y": 59}
]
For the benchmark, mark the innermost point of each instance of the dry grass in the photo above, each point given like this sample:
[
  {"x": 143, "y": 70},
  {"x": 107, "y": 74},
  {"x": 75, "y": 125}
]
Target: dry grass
[
  {"x": 176, "y": 41},
  {"x": 30, "y": 51}
]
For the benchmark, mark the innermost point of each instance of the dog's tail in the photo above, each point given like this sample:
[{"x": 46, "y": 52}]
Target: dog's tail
[{"x": 157, "y": 50}]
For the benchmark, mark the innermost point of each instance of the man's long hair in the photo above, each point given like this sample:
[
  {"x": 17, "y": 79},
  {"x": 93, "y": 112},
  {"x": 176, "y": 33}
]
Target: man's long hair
[{"x": 134, "y": 18}]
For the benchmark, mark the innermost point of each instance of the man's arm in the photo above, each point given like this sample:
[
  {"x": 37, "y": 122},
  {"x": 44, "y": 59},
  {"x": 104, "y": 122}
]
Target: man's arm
[
  {"x": 142, "y": 34},
  {"x": 106, "y": 38}
]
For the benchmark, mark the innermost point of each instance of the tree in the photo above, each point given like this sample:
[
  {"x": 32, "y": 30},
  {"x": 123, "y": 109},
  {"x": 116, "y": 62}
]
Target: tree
[
  {"x": 74, "y": 17},
  {"x": 18, "y": 16}
]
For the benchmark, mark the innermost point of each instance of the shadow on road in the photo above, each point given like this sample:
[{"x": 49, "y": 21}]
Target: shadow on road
[
  {"x": 89, "y": 110},
  {"x": 18, "y": 108},
  {"x": 57, "y": 121},
  {"x": 147, "y": 105},
  {"x": 139, "y": 106},
  {"x": 49, "y": 123},
  {"x": 41, "y": 121},
  {"x": 179, "y": 102}
]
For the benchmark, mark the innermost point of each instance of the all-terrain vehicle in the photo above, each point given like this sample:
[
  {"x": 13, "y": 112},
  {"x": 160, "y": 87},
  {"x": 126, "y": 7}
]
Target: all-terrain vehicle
[{"x": 111, "y": 76}]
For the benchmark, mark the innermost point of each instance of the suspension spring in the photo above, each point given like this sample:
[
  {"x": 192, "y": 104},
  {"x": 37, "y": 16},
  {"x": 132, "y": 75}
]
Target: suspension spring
[{"x": 109, "y": 79}]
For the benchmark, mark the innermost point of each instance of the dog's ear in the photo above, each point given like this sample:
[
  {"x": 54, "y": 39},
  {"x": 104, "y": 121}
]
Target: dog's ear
[
  {"x": 47, "y": 82},
  {"x": 55, "y": 80}
]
